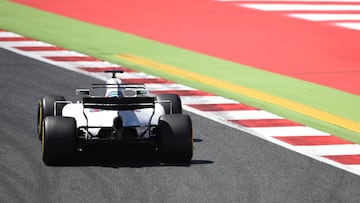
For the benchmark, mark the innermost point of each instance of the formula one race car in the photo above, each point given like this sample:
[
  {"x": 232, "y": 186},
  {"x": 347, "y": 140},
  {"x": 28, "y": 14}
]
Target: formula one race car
[{"x": 127, "y": 113}]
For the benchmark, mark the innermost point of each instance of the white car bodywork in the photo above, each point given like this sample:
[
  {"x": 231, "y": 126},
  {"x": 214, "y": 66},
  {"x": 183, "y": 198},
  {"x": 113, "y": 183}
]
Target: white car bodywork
[{"x": 98, "y": 118}]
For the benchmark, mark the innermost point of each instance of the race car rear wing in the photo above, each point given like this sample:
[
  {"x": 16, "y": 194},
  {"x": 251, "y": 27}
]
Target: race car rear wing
[
  {"x": 123, "y": 85},
  {"x": 119, "y": 104}
]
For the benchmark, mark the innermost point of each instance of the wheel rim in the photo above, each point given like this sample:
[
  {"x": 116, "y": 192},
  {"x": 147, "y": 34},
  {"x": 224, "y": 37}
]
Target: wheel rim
[
  {"x": 42, "y": 138},
  {"x": 39, "y": 118}
]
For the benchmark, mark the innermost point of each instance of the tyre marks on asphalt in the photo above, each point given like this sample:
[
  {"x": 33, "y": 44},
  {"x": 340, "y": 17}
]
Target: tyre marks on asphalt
[
  {"x": 294, "y": 136},
  {"x": 342, "y": 13}
]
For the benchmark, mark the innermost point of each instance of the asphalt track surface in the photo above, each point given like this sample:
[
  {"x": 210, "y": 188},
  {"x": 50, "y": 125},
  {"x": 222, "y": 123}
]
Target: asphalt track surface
[{"x": 228, "y": 165}]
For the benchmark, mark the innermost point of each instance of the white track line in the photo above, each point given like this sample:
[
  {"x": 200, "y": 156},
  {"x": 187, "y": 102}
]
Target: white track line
[
  {"x": 135, "y": 75},
  {"x": 10, "y": 44},
  {"x": 326, "y": 17},
  {"x": 325, "y": 150},
  {"x": 288, "y": 131},
  {"x": 312, "y": 10},
  {"x": 56, "y": 53},
  {"x": 355, "y": 167},
  {"x": 350, "y": 25},
  {"x": 164, "y": 87},
  {"x": 9, "y": 34},
  {"x": 89, "y": 64},
  {"x": 206, "y": 100},
  {"x": 243, "y": 114},
  {"x": 77, "y": 64},
  {"x": 302, "y": 7}
]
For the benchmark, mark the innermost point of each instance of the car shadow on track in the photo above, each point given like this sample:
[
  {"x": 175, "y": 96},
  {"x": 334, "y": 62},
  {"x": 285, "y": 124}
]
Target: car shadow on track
[{"x": 133, "y": 156}]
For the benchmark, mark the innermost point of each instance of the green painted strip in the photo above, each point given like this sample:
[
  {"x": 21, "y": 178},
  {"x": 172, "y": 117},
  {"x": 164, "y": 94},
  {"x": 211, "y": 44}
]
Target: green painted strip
[
  {"x": 237, "y": 89},
  {"x": 106, "y": 43}
]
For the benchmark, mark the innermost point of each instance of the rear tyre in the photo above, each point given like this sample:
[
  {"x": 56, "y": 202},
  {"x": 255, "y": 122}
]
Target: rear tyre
[
  {"x": 171, "y": 104},
  {"x": 59, "y": 139},
  {"x": 46, "y": 108},
  {"x": 175, "y": 138}
]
